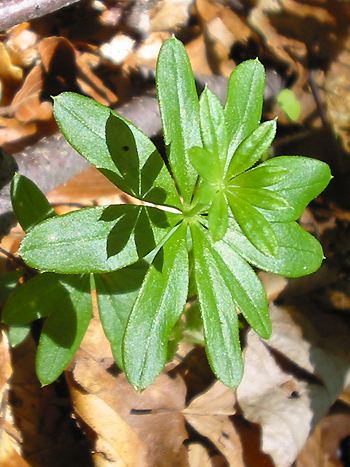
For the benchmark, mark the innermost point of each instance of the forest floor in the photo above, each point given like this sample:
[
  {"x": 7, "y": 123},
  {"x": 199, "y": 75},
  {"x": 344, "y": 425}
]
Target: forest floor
[{"x": 293, "y": 405}]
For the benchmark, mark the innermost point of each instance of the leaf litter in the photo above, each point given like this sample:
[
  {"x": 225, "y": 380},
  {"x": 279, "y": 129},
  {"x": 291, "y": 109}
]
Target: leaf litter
[{"x": 288, "y": 403}]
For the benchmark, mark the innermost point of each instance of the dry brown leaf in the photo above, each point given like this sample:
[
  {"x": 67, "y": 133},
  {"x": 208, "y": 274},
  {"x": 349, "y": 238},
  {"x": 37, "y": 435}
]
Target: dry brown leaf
[
  {"x": 10, "y": 446},
  {"x": 27, "y": 105},
  {"x": 89, "y": 187},
  {"x": 278, "y": 402},
  {"x": 222, "y": 28},
  {"x": 170, "y": 15},
  {"x": 12, "y": 130},
  {"x": 273, "y": 284},
  {"x": 337, "y": 90},
  {"x": 198, "y": 456},
  {"x": 10, "y": 75},
  {"x": 131, "y": 428},
  {"x": 8, "y": 71},
  {"x": 323, "y": 446},
  {"x": 21, "y": 44},
  {"x": 272, "y": 393},
  {"x": 209, "y": 414}
]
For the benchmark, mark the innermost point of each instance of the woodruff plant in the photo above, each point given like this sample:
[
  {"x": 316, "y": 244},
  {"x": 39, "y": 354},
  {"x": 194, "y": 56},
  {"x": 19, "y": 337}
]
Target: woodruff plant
[{"x": 207, "y": 214}]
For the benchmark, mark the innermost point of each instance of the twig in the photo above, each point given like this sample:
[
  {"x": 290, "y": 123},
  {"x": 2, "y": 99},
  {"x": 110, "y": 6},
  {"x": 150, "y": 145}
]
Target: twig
[
  {"x": 13, "y": 258},
  {"x": 316, "y": 95},
  {"x": 13, "y": 12}
]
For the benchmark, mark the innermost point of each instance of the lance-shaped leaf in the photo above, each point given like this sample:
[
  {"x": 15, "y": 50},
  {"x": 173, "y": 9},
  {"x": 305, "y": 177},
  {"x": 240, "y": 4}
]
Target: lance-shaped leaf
[
  {"x": 261, "y": 198},
  {"x": 17, "y": 334},
  {"x": 179, "y": 108},
  {"x": 252, "y": 148},
  {"x": 247, "y": 290},
  {"x": 218, "y": 216},
  {"x": 218, "y": 311},
  {"x": 299, "y": 253},
  {"x": 301, "y": 180},
  {"x": 99, "y": 239},
  {"x": 34, "y": 299},
  {"x": 205, "y": 163},
  {"x": 213, "y": 126},
  {"x": 254, "y": 225},
  {"x": 157, "y": 308},
  {"x": 116, "y": 147},
  {"x": 116, "y": 294},
  {"x": 64, "y": 329},
  {"x": 29, "y": 203},
  {"x": 244, "y": 102}
]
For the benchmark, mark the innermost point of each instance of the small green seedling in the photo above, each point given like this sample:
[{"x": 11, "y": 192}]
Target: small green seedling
[
  {"x": 208, "y": 214},
  {"x": 289, "y": 103}
]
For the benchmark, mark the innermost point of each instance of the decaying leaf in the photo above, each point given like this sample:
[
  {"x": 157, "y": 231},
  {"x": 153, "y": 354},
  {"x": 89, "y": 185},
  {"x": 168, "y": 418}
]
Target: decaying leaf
[
  {"x": 130, "y": 428},
  {"x": 280, "y": 396},
  {"x": 209, "y": 414},
  {"x": 337, "y": 90},
  {"x": 10, "y": 74}
]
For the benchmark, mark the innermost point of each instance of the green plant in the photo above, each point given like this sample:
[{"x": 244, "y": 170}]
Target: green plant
[
  {"x": 289, "y": 103},
  {"x": 206, "y": 213}
]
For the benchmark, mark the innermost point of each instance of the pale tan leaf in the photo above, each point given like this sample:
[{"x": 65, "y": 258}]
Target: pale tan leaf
[
  {"x": 209, "y": 414},
  {"x": 277, "y": 401},
  {"x": 198, "y": 456},
  {"x": 151, "y": 420}
]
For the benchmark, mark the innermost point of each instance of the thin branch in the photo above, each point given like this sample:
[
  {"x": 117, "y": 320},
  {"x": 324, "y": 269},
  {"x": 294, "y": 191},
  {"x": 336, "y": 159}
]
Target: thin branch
[{"x": 13, "y": 12}]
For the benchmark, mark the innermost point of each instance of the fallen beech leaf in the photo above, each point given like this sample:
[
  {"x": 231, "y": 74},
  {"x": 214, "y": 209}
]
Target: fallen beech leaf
[
  {"x": 209, "y": 414},
  {"x": 46, "y": 432},
  {"x": 316, "y": 341},
  {"x": 198, "y": 456},
  {"x": 336, "y": 87},
  {"x": 14, "y": 130},
  {"x": 273, "y": 284},
  {"x": 272, "y": 392},
  {"x": 89, "y": 187},
  {"x": 8, "y": 71},
  {"x": 322, "y": 449},
  {"x": 10, "y": 75},
  {"x": 278, "y": 402},
  {"x": 143, "y": 429},
  {"x": 21, "y": 44},
  {"x": 222, "y": 28},
  {"x": 27, "y": 105},
  {"x": 10, "y": 447}
]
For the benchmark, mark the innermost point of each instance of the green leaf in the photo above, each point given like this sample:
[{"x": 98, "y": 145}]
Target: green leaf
[
  {"x": 260, "y": 177},
  {"x": 252, "y": 148},
  {"x": 17, "y": 334},
  {"x": 246, "y": 288},
  {"x": 218, "y": 216},
  {"x": 218, "y": 311},
  {"x": 157, "y": 308},
  {"x": 34, "y": 299},
  {"x": 261, "y": 197},
  {"x": 99, "y": 239},
  {"x": 8, "y": 282},
  {"x": 244, "y": 102},
  {"x": 254, "y": 225},
  {"x": 179, "y": 108},
  {"x": 116, "y": 294},
  {"x": 64, "y": 329},
  {"x": 299, "y": 253},
  {"x": 213, "y": 127},
  {"x": 289, "y": 103},
  {"x": 301, "y": 180},
  {"x": 205, "y": 163},
  {"x": 29, "y": 203},
  {"x": 116, "y": 147}
]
